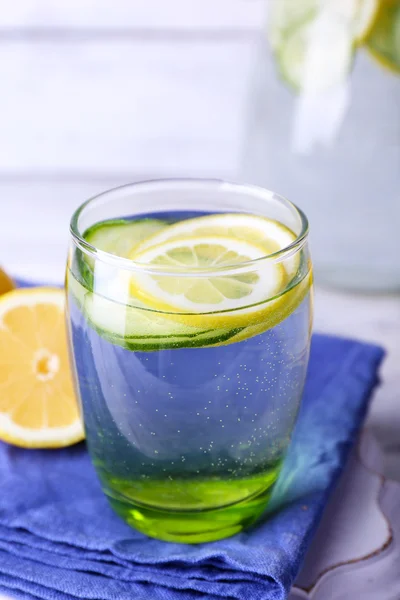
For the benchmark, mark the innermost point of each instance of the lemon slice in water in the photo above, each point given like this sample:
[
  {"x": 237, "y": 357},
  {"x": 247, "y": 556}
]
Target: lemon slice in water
[
  {"x": 204, "y": 299},
  {"x": 271, "y": 236}
]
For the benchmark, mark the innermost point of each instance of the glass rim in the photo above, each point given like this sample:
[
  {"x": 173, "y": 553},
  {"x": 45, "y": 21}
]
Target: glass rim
[{"x": 236, "y": 268}]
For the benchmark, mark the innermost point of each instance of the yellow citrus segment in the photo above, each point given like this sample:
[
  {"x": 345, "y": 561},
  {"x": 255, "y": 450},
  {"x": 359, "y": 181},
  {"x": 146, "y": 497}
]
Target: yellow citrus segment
[
  {"x": 262, "y": 231},
  {"x": 268, "y": 234},
  {"x": 232, "y": 297},
  {"x": 279, "y": 309},
  {"x": 226, "y": 291},
  {"x": 38, "y": 408}
]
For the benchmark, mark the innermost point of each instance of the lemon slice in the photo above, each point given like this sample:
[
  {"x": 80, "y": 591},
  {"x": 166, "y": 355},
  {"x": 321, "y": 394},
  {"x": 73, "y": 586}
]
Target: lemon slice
[
  {"x": 314, "y": 41},
  {"x": 270, "y": 235},
  {"x": 384, "y": 40},
  {"x": 208, "y": 300},
  {"x": 278, "y": 310}
]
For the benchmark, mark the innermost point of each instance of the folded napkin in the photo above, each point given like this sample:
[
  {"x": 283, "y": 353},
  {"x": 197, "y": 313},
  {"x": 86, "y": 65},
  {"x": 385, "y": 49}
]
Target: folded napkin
[{"x": 59, "y": 539}]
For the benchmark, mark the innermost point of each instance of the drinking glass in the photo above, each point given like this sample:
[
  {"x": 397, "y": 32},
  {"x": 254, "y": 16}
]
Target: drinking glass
[{"x": 188, "y": 414}]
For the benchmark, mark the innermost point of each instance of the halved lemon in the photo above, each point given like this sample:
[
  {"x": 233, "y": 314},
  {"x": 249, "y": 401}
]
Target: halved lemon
[
  {"x": 209, "y": 300},
  {"x": 38, "y": 408},
  {"x": 268, "y": 234}
]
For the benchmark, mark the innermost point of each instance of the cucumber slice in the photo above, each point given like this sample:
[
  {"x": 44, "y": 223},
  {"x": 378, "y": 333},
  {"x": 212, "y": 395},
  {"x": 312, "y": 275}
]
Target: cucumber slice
[
  {"x": 75, "y": 288},
  {"x": 132, "y": 321},
  {"x": 117, "y": 237},
  {"x": 120, "y": 236},
  {"x": 138, "y": 328},
  {"x": 213, "y": 337}
]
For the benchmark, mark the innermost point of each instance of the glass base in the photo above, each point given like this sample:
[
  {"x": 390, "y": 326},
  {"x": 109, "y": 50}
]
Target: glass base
[{"x": 193, "y": 527}]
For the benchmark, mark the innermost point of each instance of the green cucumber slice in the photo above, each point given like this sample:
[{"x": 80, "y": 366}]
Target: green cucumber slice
[
  {"x": 75, "y": 288},
  {"x": 137, "y": 321},
  {"x": 117, "y": 237},
  {"x": 120, "y": 236},
  {"x": 208, "y": 338},
  {"x": 138, "y": 328}
]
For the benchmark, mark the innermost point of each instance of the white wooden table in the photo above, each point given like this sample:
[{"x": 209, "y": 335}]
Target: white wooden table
[{"x": 97, "y": 93}]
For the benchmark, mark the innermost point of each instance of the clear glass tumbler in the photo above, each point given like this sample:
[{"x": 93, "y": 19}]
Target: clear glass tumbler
[{"x": 190, "y": 350}]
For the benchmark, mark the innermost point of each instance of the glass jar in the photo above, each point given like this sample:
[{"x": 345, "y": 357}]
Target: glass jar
[{"x": 349, "y": 186}]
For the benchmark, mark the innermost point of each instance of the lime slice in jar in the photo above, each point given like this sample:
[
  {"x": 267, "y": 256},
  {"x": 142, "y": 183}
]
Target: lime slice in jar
[
  {"x": 313, "y": 41},
  {"x": 383, "y": 41}
]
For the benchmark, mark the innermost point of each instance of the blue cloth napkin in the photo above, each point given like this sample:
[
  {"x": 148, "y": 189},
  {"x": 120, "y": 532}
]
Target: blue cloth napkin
[{"x": 59, "y": 539}]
